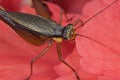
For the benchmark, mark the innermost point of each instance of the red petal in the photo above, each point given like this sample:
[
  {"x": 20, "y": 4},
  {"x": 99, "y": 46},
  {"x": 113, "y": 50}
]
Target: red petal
[
  {"x": 97, "y": 59},
  {"x": 11, "y": 5}
]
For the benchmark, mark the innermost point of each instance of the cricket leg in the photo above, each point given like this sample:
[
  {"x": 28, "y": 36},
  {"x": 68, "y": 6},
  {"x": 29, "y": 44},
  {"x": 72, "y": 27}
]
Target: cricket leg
[
  {"x": 74, "y": 23},
  {"x": 68, "y": 19},
  {"x": 60, "y": 18},
  {"x": 64, "y": 62},
  {"x": 40, "y": 8},
  {"x": 36, "y": 58},
  {"x": 61, "y": 14},
  {"x": 78, "y": 21}
]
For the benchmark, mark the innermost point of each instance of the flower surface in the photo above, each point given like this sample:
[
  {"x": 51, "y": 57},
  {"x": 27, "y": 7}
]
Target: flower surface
[{"x": 91, "y": 60}]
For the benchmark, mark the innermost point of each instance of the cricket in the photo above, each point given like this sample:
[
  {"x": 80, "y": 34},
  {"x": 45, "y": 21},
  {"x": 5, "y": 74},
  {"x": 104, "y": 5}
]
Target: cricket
[{"x": 39, "y": 29}]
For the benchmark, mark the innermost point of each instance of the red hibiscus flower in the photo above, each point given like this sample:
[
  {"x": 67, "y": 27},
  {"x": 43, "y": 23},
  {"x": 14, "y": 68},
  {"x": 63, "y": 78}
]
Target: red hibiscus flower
[{"x": 91, "y": 60}]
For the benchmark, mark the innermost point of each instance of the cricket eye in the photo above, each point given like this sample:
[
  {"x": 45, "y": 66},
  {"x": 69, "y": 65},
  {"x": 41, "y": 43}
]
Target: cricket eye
[{"x": 71, "y": 34}]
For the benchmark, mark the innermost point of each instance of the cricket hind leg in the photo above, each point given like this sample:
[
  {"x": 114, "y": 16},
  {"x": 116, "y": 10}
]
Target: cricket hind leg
[
  {"x": 38, "y": 57},
  {"x": 41, "y": 8},
  {"x": 64, "y": 62}
]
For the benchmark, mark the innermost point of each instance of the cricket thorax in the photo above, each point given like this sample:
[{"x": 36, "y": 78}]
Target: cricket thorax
[{"x": 68, "y": 32}]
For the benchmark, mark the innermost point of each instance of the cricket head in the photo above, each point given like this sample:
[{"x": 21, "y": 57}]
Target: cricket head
[{"x": 68, "y": 32}]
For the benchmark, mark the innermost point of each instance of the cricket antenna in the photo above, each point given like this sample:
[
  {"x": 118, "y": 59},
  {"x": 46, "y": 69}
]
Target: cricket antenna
[
  {"x": 93, "y": 15},
  {"x": 92, "y": 40}
]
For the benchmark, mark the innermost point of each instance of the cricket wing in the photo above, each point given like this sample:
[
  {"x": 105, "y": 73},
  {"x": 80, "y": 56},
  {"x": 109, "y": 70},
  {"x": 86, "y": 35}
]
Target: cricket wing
[
  {"x": 37, "y": 24},
  {"x": 28, "y": 35}
]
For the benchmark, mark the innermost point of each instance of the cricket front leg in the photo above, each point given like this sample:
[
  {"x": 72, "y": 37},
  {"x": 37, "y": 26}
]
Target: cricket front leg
[{"x": 64, "y": 62}]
